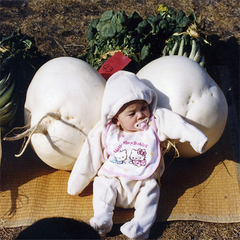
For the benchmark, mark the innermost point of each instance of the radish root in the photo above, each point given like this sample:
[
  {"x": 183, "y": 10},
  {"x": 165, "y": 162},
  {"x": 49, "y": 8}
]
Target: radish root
[{"x": 29, "y": 132}]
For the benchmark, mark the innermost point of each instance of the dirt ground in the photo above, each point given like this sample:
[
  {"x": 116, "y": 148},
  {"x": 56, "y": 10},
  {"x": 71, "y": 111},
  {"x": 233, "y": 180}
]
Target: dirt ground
[{"x": 59, "y": 28}]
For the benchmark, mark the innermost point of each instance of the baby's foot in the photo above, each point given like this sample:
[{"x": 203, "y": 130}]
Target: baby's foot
[
  {"x": 133, "y": 230},
  {"x": 101, "y": 226}
]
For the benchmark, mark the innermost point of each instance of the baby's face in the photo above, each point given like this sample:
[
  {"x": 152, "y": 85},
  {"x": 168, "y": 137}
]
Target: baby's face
[{"x": 134, "y": 112}]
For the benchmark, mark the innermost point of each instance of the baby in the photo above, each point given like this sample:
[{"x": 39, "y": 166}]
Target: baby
[{"x": 124, "y": 151}]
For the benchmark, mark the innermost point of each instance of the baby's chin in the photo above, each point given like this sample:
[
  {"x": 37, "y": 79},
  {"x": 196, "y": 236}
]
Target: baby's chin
[{"x": 132, "y": 130}]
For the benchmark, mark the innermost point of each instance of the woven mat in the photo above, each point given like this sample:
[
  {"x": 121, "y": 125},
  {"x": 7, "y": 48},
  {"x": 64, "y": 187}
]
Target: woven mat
[{"x": 205, "y": 188}]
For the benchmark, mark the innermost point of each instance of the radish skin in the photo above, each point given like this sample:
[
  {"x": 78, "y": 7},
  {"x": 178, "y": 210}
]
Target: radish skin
[
  {"x": 184, "y": 87},
  {"x": 63, "y": 103}
]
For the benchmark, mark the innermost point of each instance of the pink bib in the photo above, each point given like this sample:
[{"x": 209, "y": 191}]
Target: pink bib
[{"x": 134, "y": 155}]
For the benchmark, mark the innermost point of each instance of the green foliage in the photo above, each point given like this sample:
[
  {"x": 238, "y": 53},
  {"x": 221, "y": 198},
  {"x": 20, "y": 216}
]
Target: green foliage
[
  {"x": 140, "y": 39},
  {"x": 15, "y": 49},
  {"x": 16, "y": 54}
]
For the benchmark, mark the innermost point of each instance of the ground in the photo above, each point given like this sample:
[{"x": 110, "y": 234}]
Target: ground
[{"x": 59, "y": 28}]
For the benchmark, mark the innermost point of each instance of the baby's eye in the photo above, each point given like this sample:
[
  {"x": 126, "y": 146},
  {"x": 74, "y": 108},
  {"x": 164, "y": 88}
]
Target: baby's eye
[
  {"x": 144, "y": 107},
  {"x": 132, "y": 114}
]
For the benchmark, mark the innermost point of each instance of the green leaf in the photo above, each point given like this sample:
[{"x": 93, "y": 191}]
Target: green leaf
[
  {"x": 163, "y": 24},
  {"x": 106, "y": 16},
  {"x": 117, "y": 21},
  {"x": 123, "y": 31},
  {"x": 141, "y": 26},
  {"x": 108, "y": 31},
  {"x": 121, "y": 17},
  {"x": 119, "y": 27},
  {"x": 28, "y": 43},
  {"x": 155, "y": 19},
  {"x": 182, "y": 20},
  {"x": 145, "y": 52},
  {"x": 91, "y": 30},
  {"x": 94, "y": 23},
  {"x": 152, "y": 26}
]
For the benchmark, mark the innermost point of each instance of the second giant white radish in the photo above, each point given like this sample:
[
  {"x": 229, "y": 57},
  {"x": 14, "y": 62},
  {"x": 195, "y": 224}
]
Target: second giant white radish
[{"x": 184, "y": 87}]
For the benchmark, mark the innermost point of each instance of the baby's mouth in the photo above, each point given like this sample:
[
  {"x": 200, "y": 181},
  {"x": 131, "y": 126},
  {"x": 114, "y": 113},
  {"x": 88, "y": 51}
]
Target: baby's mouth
[{"x": 142, "y": 124}]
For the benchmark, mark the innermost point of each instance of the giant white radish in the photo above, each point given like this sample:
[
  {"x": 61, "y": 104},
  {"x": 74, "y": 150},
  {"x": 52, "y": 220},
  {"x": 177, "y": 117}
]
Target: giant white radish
[
  {"x": 184, "y": 87},
  {"x": 63, "y": 103}
]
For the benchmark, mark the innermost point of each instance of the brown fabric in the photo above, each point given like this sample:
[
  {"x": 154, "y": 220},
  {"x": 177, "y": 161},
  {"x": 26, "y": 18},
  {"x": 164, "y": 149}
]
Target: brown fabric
[{"x": 205, "y": 188}]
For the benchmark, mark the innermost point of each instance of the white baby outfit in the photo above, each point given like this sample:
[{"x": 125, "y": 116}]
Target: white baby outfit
[{"x": 128, "y": 164}]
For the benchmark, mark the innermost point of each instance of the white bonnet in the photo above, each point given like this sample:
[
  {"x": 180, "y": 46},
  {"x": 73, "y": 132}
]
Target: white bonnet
[{"x": 123, "y": 87}]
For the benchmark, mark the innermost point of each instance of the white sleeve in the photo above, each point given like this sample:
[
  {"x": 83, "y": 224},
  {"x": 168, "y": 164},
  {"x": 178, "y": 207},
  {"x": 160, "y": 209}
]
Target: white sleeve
[
  {"x": 170, "y": 125},
  {"x": 88, "y": 162}
]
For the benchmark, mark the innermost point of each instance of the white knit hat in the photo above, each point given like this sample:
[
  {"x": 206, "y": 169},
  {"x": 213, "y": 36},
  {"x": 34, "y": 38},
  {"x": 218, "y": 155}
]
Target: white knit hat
[{"x": 123, "y": 87}]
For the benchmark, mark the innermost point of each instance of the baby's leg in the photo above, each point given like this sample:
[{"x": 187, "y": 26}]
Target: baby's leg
[
  {"x": 104, "y": 198},
  {"x": 145, "y": 211}
]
